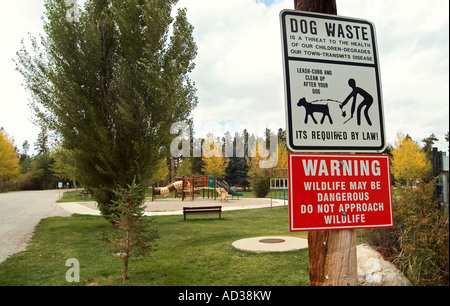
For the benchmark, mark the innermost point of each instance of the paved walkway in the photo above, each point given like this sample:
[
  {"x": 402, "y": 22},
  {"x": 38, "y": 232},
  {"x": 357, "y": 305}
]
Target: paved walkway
[
  {"x": 20, "y": 212},
  {"x": 175, "y": 206}
]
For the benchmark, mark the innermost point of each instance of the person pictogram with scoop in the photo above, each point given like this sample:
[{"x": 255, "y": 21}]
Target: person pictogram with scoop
[{"x": 366, "y": 102}]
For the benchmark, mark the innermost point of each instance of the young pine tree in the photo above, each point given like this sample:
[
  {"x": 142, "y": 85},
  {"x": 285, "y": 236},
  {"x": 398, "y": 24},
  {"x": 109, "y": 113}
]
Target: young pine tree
[{"x": 133, "y": 235}]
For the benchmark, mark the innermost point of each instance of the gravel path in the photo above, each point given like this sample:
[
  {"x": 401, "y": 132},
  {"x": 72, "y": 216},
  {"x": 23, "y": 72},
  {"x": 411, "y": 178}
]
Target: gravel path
[{"x": 20, "y": 212}]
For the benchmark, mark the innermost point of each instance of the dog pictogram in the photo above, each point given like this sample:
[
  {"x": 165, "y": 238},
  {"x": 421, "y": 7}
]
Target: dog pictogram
[{"x": 315, "y": 108}]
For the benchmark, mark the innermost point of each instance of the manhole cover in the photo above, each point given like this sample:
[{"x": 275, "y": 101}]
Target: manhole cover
[{"x": 272, "y": 240}]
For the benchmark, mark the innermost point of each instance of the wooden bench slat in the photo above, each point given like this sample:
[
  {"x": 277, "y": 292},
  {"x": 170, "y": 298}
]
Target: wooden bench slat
[
  {"x": 206, "y": 207},
  {"x": 202, "y": 210}
]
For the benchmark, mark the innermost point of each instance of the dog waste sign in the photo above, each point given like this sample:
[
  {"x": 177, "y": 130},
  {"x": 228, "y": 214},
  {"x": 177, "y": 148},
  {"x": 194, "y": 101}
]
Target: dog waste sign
[
  {"x": 332, "y": 84},
  {"x": 336, "y": 192}
]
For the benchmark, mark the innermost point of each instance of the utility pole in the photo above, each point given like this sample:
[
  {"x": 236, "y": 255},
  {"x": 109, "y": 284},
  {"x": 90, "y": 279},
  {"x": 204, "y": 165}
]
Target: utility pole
[{"x": 332, "y": 254}]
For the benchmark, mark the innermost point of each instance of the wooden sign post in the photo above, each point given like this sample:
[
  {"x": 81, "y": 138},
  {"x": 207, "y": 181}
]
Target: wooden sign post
[
  {"x": 332, "y": 253},
  {"x": 332, "y": 258}
]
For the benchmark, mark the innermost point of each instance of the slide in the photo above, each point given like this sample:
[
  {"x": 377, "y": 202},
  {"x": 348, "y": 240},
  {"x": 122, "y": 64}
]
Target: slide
[
  {"x": 164, "y": 191},
  {"x": 234, "y": 193},
  {"x": 229, "y": 190}
]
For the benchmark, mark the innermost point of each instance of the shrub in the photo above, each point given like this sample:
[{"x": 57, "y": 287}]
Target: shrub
[
  {"x": 28, "y": 181},
  {"x": 419, "y": 242},
  {"x": 260, "y": 182}
]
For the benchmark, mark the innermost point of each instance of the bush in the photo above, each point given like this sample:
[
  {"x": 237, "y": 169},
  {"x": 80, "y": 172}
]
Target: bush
[
  {"x": 419, "y": 242},
  {"x": 260, "y": 182},
  {"x": 28, "y": 181}
]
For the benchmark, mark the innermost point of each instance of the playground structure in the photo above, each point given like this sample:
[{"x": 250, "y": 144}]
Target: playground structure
[
  {"x": 279, "y": 189},
  {"x": 194, "y": 184}
]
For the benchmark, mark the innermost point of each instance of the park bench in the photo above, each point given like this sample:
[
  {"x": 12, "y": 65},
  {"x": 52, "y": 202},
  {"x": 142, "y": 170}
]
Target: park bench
[
  {"x": 85, "y": 195},
  {"x": 202, "y": 210}
]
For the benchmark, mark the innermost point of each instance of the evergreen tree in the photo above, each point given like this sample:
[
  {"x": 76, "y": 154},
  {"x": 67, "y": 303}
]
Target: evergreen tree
[
  {"x": 428, "y": 146},
  {"x": 236, "y": 172},
  {"x": 25, "y": 159},
  {"x": 133, "y": 235},
  {"x": 41, "y": 145},
  {"x": 111, "y": 84},
  {"x": 42, "y": 170},
  {"x": 427, "y": 149}
]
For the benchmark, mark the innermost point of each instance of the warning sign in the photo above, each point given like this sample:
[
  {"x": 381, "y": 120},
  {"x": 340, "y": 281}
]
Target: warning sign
[
  {"x": 339, "y": 192},
  {"x": 332, "y": 84}
]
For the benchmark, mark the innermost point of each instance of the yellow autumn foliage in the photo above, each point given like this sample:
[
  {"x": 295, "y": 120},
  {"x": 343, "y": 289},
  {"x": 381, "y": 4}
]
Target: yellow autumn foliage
[
  {"x": 9, "y": 159},
  {"x": 409, "y": 163},
  {"x": 213, "y": 158}
]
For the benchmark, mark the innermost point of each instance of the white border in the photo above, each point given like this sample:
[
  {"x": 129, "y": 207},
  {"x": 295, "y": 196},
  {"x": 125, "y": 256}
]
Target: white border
[{"x": 291, "y": 190}]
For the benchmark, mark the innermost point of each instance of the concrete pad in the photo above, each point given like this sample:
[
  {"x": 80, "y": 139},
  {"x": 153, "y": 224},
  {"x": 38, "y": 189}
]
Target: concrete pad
[{"x": 271, "y": 244}]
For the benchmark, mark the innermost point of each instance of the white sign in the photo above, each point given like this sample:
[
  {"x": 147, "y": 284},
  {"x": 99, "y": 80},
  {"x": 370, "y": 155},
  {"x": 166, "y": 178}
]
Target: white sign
[{"x": 332, "y": 84}]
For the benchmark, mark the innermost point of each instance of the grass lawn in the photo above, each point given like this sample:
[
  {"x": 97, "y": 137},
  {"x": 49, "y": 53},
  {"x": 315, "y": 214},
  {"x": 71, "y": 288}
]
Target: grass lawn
[
  {"x": 73, "y": 196},
  {"x": 196, "y": 252}
]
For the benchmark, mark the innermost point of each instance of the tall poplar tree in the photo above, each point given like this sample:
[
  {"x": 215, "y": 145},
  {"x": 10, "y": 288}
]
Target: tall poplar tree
[{"x": 111, "y": 83}]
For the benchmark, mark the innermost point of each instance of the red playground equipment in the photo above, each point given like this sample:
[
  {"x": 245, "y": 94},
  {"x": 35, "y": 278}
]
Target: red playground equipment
[{"x": 194, "y": 184}]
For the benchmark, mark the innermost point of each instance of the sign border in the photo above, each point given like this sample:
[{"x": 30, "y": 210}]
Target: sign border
[
  {"x": 287, "y": 86},
  {"x": 291, "y": 219}
]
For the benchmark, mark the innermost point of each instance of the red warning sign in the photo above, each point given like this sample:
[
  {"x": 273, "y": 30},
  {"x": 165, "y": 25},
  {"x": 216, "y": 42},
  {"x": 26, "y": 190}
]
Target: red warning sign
[{"x": 335, "y": 192}]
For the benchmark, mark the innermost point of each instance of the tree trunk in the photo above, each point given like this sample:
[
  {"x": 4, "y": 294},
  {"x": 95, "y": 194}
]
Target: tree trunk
[
  {"x": 125, "y": 259},
  {"x": 125, "y": 269}
]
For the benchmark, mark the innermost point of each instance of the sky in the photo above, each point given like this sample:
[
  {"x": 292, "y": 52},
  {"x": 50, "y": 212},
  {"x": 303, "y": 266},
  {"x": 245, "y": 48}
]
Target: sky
[{"x": 239, "y": 67}]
